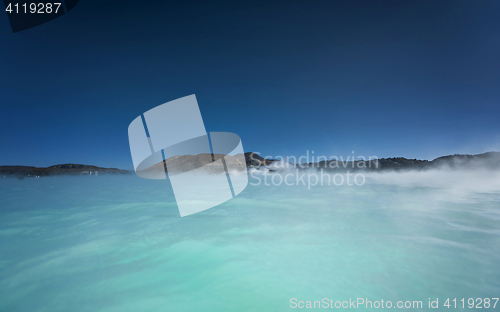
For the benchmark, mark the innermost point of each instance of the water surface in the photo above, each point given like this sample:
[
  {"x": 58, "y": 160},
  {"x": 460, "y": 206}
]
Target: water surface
[{"x": 117, "y": 243}]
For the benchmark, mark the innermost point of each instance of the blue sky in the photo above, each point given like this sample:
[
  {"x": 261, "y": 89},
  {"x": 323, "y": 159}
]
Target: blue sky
[{"x": 417, "y": 79}]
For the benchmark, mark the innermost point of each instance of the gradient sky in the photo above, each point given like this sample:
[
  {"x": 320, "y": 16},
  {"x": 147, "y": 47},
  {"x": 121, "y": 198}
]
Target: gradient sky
[{"x": 418, "y": 79}]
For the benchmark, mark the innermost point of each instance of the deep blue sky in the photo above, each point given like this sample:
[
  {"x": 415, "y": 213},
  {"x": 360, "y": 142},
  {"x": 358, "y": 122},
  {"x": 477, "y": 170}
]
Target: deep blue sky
[{"x": 418, "y": 79}]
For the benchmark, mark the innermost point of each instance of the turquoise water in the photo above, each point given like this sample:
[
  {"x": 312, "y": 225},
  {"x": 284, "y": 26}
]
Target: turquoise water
[{"x": 116, "y": 243}]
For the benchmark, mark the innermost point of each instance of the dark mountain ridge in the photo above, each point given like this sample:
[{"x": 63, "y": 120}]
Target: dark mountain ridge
[
  {"x": 62, "y": 169},
  {"x": 489, "y": 160}
]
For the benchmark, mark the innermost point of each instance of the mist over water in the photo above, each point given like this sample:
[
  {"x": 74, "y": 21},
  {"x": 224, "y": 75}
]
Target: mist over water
[{"x": 117, "y": 243}]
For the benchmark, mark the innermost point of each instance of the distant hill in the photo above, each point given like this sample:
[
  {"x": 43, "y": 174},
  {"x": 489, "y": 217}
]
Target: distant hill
[
  {"x": 63, "y": 169},
  {"x": 184, "y": 163},
  {"x": 490, "y": 161}
]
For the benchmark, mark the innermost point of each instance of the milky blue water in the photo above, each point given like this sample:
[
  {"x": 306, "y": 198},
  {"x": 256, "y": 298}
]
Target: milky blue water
[{"x": 117, "y": 243}]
